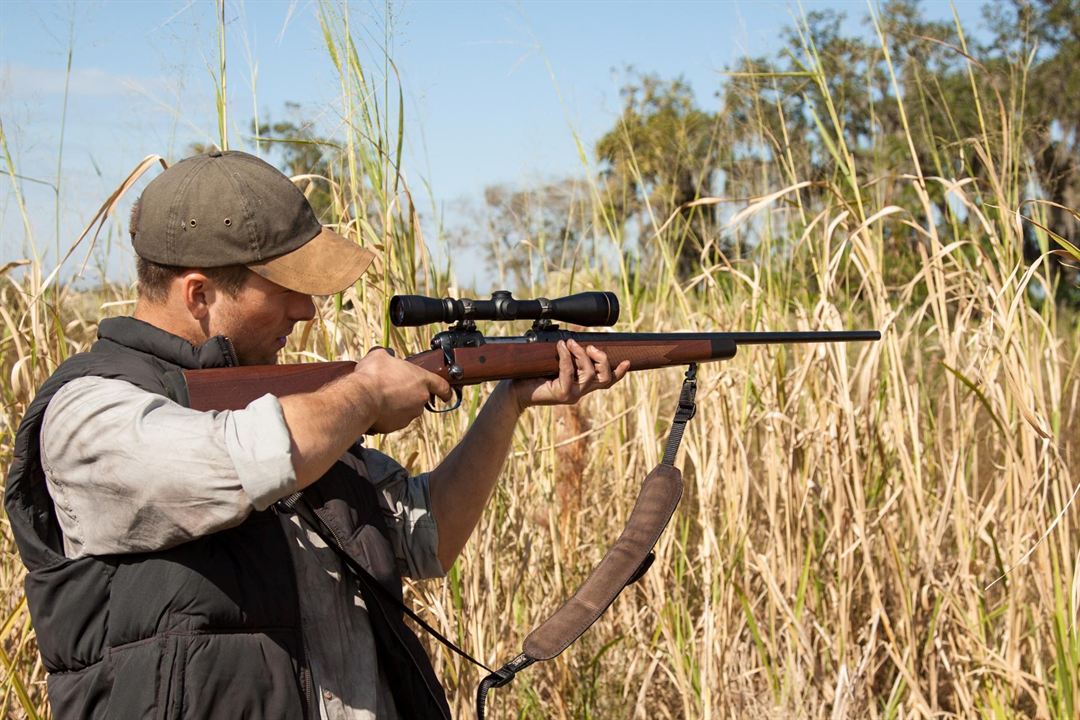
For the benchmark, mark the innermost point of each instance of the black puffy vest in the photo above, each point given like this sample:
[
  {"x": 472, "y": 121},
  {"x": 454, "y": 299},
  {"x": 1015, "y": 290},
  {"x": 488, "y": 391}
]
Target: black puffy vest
[{"x": 208, "y": 629}]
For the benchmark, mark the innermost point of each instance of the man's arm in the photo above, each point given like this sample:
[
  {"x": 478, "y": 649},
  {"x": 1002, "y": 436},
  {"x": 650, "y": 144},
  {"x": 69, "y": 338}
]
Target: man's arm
[
  {"x": 462, "y": 484},
  {"x": 132, "y": 471},
  {"x": 382, "y": 394}
]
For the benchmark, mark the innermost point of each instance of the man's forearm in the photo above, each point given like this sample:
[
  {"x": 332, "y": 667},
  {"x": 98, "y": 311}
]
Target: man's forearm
[
  {"x": 461, "y": 485},
  {"x": 323, "y": 424},
  {"x": 382, "y": 394}
]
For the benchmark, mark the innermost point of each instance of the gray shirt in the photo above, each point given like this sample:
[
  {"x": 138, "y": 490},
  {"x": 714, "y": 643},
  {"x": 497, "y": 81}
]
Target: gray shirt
[{"x": 131, "y": 471}]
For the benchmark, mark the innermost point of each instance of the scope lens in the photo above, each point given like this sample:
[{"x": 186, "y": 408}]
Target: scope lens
[{"x": 397, "y": 313}]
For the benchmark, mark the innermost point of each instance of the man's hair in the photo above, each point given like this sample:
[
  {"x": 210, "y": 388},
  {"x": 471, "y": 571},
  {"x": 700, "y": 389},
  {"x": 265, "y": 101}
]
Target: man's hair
[{"x": 153, "y": 279}]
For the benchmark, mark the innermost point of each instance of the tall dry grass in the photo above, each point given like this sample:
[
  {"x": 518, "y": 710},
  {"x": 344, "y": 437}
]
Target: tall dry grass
[{"x": 881, "y": 530}]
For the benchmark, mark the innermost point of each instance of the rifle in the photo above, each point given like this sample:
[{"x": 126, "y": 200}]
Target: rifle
[{"x": 463, "y": 356}]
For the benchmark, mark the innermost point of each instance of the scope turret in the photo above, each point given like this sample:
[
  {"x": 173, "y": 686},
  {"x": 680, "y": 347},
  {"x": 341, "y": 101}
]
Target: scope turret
[{"x": 587, "y": 308}]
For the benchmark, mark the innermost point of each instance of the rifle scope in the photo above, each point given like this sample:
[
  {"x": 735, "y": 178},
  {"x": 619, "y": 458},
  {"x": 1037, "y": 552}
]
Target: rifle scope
[{"x": 587, "y": 308}]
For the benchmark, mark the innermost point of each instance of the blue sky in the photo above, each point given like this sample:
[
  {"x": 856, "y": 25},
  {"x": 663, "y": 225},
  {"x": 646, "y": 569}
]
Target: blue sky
[{"x": 494, "y": 90}]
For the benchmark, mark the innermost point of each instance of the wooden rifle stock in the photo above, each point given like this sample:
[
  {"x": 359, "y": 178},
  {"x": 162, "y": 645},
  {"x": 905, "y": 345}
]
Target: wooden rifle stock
[{"x": 487, "y": 359}]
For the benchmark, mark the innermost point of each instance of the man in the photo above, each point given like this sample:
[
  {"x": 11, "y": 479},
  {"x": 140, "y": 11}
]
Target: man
[{"x": 165, "y": 578}]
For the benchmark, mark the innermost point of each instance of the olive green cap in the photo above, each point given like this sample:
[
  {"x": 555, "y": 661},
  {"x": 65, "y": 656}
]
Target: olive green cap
[{"x": 231, "y": 208}]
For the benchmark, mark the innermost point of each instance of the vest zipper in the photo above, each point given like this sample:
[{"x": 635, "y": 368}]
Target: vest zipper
[
  {"x": 229, "y": 351},
  {"x": 308, "y": 682}
]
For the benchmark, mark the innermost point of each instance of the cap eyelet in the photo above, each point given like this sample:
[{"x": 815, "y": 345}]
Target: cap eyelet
[
  {"x": 228, "y": 222},
  {"x": 191, "y": 222}
]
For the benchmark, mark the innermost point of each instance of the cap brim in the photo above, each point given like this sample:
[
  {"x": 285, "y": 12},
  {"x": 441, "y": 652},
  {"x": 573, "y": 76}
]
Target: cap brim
[{"x": 326, "y": 264}]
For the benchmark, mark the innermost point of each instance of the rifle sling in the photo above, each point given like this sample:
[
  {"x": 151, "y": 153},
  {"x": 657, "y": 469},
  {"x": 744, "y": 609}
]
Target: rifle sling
[{"x": 623, "y": 564}]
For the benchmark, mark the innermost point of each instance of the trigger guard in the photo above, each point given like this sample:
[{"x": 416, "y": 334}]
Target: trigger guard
[{"x": 430, "y": 404}]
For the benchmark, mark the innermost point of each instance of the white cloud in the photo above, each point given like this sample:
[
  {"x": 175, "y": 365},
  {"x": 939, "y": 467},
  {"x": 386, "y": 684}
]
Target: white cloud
[{"x": 26, "y": 81}]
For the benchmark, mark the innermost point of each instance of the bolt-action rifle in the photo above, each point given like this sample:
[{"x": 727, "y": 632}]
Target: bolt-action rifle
[{"x": 464, "y": 356}]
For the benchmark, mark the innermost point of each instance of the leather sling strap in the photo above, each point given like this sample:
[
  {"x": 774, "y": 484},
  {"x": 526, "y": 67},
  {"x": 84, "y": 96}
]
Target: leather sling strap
[{"x": 624, "y": 563}]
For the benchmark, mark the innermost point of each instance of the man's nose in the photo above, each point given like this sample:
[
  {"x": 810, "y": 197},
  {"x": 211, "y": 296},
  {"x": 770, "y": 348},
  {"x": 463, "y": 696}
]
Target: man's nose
[{"x": 302, "y": 308}]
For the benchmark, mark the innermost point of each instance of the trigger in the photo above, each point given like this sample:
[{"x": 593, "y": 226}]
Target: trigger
[{"x": 430, "y": 404}]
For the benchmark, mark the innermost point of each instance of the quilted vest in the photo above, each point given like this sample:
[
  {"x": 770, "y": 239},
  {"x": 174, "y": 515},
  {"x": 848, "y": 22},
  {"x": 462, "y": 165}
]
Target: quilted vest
[{"x": 208, "y": 629}]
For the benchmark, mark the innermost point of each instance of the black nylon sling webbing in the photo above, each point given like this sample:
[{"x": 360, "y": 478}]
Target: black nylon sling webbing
[{"x": 368, "y": 582}]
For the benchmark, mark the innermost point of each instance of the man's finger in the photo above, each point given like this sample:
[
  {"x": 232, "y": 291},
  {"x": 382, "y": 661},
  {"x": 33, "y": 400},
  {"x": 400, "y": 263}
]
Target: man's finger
[
  {"x": 585, "y": 370},
  {"x": 439, "y": 386},
  {"x": 601, "y": 364},
  {"x": 565, "y": 381},
  {"x": 603, "y": 373}
]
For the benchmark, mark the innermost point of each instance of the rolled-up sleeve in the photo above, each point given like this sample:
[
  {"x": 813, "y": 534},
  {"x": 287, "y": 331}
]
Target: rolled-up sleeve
[
  {"x": 406, "y": 504},
  {"x": 259, "y": 445},
  {"x": 132, "y": 471}
]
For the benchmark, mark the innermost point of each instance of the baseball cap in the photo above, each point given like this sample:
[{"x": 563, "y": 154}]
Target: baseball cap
[{"x": 231, "y": 208}]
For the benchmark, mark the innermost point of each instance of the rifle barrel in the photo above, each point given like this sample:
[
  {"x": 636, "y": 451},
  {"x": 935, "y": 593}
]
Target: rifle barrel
[
  {"x": 739, "y": 338},
  {"x": 764, "y": 338}
]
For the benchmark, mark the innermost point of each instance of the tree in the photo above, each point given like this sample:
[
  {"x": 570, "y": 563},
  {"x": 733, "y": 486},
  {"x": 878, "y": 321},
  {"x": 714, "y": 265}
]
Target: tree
[
  {"x": 1026, "y": 88},
  {"x": 537, "y": 227},
  {"x": 1049, "y": 32},
  {"x": 663, "y": 152}
]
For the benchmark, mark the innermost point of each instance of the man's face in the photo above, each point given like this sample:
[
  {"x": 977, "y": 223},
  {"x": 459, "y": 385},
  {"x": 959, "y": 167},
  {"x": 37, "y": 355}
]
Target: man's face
[{"x": 259, "y": 318}]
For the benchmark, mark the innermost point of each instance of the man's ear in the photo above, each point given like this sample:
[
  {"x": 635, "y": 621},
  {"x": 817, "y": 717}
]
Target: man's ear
[{"x": 197, "y": 292}]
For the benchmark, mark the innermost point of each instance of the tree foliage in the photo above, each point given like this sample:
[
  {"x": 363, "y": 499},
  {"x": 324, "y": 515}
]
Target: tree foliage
[
  {"x": 833, "y": 107},
  {"x": 535, "y": 227},
  {"x": 663, "y": 153}
]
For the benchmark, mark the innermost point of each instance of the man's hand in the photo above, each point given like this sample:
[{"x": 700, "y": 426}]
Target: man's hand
[
  {"x": 461, "y": 485},
  {"x": 383, "y": 394},
  {"x": 581, "y": 370},
  {"x": 399, "y": 389}
]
